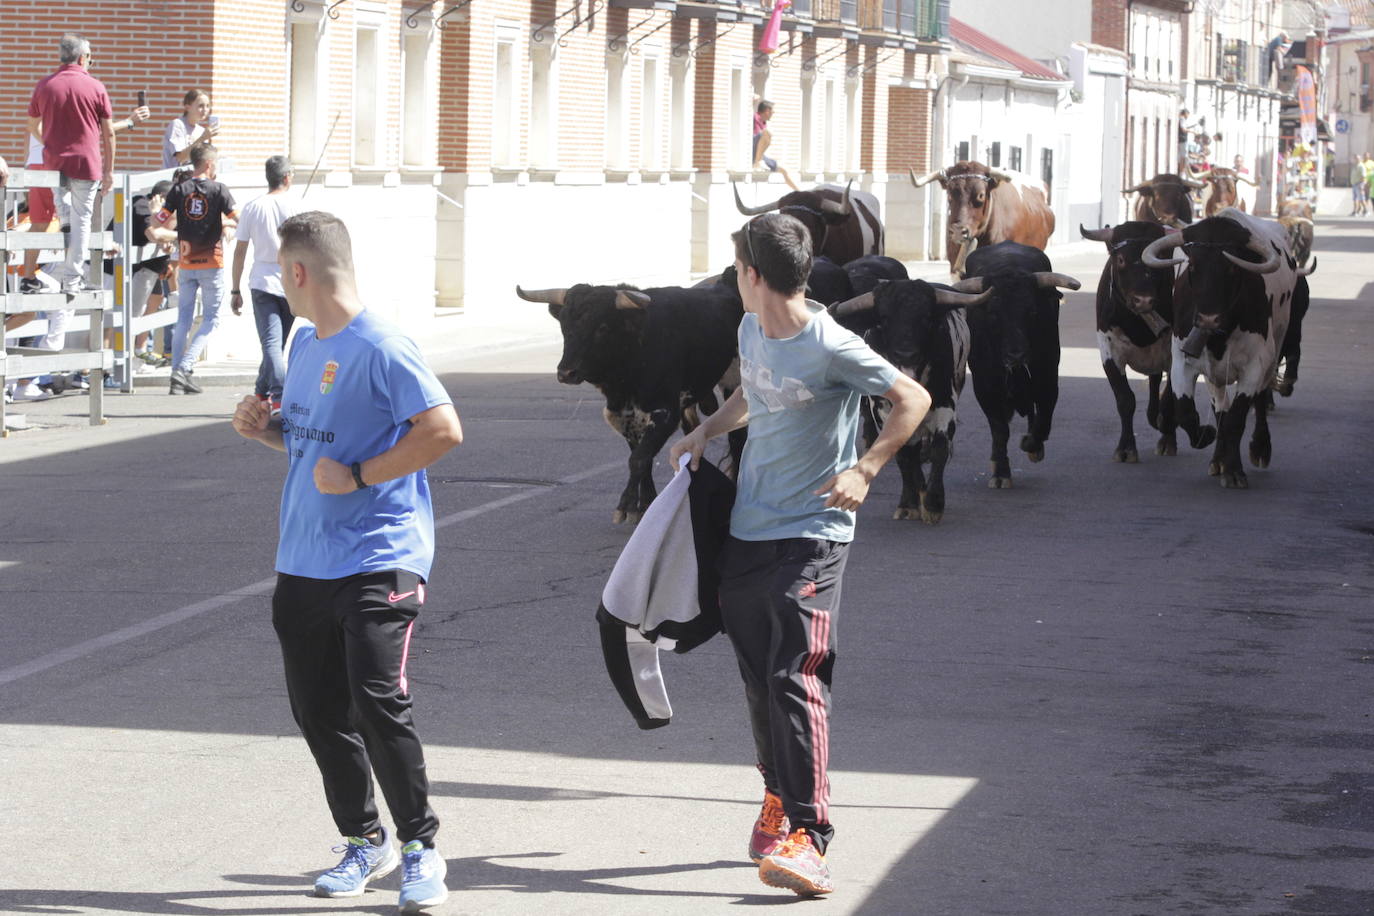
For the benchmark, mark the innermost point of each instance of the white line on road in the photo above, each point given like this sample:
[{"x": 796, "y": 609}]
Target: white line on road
[{"x": 262, "y": 587}]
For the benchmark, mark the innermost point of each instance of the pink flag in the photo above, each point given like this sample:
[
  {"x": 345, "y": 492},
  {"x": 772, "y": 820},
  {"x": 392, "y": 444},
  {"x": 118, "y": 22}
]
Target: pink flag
[{"x": 773, "y": 31}]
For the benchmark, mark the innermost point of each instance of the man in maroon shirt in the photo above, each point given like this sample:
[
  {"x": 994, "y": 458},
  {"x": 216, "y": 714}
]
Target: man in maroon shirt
[{"x": 70, "y": 114}]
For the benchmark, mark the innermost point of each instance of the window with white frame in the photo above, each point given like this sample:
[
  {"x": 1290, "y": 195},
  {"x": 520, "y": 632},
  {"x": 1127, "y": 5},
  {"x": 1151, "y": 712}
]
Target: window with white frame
[
  {"x": 417, "y": 119},
  {"x": 851, "y": 133},
  {"x": 305, "y": 89},
  {"x": 741, "y": 119},
  {"x": 832, "y": 141},
  {"x": 366, "y": 126},
  {"x": 543, "y": 106},
  {"x": 651, "y": 116},
  {"x": 505, "y": 138},
  {"x": 681, "y": 133},
  {"x": 616, "y": 113},
  {"x": 808, "y": 122}
]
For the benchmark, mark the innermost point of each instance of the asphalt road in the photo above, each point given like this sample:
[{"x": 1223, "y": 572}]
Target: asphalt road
[{"x": 1114, "y": 689}]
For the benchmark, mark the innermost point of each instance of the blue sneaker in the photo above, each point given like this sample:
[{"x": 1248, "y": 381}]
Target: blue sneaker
[
  {"x": 361, "y": 863},
  {"x": 422, "y": 884}
]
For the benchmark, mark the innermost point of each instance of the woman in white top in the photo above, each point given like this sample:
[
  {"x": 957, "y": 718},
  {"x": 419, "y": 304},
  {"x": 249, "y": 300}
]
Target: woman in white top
[{"x": 189, "y": 130}]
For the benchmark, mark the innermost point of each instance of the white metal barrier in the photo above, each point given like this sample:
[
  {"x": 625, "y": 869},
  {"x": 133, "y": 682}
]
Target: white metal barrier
[{"x": 28, "y": 362}]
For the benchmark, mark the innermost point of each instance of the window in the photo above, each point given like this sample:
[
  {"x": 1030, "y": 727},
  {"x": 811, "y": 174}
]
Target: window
[
  {"x": 849, "y": 11},
  {"x": 832, "y": 124},
  {"x": 615, "y": 113},
  {"x": 851, "y": 133},
  {"x": 890, "y": 14},
  {"x": 995, "y": 155},
  {"x": 741, "y": 120},
  {"x": 305, "y": 67},
  {"x": 543, "y": 106},
  {"x": 650, "y": 153},
  {"x": 1047, "y": 172},
  {"x": 1014, "y": 158},
  {"x": 365, "y": 114},
  {"x": 680, "y": 139},
  {"x": 961, "y": 152},
  {"x": 505, "y": 141},
  {"x": 416, "y": 116},
  {"x": 808, "y": 123}
]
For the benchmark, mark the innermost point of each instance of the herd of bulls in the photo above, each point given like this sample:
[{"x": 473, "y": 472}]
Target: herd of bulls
[{"x": 1221, "y": 298}]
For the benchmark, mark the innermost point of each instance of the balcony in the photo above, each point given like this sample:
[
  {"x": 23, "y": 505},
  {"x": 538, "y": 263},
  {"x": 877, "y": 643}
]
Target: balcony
[{"x": 916, "y": 20}]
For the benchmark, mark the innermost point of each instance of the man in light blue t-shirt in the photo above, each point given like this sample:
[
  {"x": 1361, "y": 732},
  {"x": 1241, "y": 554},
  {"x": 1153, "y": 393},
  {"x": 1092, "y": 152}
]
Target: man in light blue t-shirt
[
  {"x": 362, "y": 416},
  {"x": 800, "y": 482}
]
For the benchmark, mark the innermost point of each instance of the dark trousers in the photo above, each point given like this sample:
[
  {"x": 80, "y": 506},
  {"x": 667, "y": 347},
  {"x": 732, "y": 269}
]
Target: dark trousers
[
  {"x": 274, "y": 319},
  {"x": 345, "y": 643},
  {"x": 779, "y": 601}
]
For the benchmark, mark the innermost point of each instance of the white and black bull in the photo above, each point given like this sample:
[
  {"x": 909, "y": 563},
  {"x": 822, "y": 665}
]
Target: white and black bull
[
  {"x": 921, "y": 329},
  {"x": 1014, "y": 355},
  {"x": 1233, "y": 295},
  {"x": 656, "y": 355},
  {"x": 844, "y": 224},
  {"x": 1135, "y": 314}
]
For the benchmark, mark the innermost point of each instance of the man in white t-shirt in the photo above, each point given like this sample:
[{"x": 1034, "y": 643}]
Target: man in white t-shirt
[{"x": 258, "y": 225}]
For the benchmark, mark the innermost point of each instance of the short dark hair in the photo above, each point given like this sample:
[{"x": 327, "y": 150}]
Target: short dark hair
[
  {"x": 782, "y": 247},
  {"x": 202, "y": 154},
  {"x": 764, "y": 105},
  {"x": 277, "y": 167},
  {"x": 161, "y": 188},
  {"x": 318, "y": 236}
]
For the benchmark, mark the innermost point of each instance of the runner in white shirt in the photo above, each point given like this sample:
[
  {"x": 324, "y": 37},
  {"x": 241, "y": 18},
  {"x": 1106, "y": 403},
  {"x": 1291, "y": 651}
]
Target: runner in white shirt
[{"x": 258, "y": 225}]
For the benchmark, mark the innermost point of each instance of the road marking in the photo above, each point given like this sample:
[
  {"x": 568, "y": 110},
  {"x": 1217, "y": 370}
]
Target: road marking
[{"x": 261, "y": 587}]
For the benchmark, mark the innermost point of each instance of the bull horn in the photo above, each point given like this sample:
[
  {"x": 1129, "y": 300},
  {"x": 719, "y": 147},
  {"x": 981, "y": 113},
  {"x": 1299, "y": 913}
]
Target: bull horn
[
  {"x": 1136, "y": 189},
  {"x": 1309, "y": 269},
  {"x": 1194, "y": 182},
  {"x": 961, "y": 300},
  {"x": 1152, "y": 255},
  {"x": 1097, "y": 235},
  {"x": 551, "y": 296},
  {"x": 970, "y": 285},
  {"x": 1272, "y": 258},
  {"x": 1200, "y": 176},
  {"x": 998, "y": 176},
  {"x": 1240, "y": 177},
  {"x": 631, "y": 299},
  {"x": 850, "y": 306},
  {"x": 844, "y": 208},
  {"x": 752, "y": 211},
  {"x": 1048, "y": 279},
  {"x": 1300, "y": 220},
  {"x": 937, "y": 175}
]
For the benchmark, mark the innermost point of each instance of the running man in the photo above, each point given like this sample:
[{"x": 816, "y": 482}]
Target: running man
[
  {"x": 800, "y": 483},
  {"x": 362, "y": 418},
  {"x": 763, "y": 139}
]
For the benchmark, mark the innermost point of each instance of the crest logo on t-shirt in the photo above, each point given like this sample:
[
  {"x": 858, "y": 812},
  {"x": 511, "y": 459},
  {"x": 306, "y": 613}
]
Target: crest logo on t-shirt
[
  {"x": 197, "y": 206},
  {"x": 331, "y": 369}
]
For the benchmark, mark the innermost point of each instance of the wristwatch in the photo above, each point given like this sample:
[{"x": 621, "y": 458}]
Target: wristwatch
[{"x": 357, "y": 469}]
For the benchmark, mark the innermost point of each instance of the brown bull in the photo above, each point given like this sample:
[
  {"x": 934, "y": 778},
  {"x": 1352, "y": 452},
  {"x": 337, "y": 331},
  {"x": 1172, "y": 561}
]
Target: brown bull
[
  {"x": 1223, "y": 192},
  {"x": 1164, "y": 199},
  {"x": 1297, "y": 206},
  {"x": 987, "y": 206}
]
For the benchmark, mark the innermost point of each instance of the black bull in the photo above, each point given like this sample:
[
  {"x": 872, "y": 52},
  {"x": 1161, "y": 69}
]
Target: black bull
[
  {"x": 656, "y": 355},
  {"x": 1014, "y": 354}
]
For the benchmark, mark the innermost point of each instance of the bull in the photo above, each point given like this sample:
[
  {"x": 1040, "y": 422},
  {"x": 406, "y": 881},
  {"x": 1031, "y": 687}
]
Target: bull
[
  {"x": 1135, "y": 311},
  {"x": 920, "y": 328},
  {"x": 867, "y": 272},
  {"x": 1014, "y": 353},
  {"x": 987, "y": 206},
  {"x": 657, "y": 355},
  {"x": 1222, "y": 182},
  {"x": 1295, "y": 215},
  {"x": 1165, "y": 199},
  {"x": 1233, "y": 297},
  {"x": 844, "y": 224},
  {"x": 828, "y": 282}
]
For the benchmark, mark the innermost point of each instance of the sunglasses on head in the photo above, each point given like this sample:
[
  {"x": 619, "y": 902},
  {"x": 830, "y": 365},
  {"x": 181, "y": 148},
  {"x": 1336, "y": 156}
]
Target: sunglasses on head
[{"x": 749, "y": 243}]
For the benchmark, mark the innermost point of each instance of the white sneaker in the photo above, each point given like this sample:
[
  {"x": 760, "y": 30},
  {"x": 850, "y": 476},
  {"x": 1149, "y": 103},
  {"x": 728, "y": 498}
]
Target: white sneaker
[{"x": 30, "y": 392}]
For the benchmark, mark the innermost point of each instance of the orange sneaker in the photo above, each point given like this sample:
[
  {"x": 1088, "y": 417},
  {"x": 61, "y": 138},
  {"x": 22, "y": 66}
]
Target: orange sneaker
[
  {"x": 770, "y": 830},
  {"x": 797, "y": 866}
]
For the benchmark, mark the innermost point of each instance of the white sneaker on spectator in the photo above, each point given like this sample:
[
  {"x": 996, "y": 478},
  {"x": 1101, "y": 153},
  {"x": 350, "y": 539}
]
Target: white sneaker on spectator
[{"x": 30, "y": 392}]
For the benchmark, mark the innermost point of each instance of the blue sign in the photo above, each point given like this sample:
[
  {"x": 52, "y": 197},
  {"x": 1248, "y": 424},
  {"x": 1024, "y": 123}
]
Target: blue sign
[{"x": 1342, "y": 126}]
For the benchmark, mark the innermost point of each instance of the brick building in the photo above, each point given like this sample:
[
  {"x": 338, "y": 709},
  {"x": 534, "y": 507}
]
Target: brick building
[{"x": 473, "y": 144}]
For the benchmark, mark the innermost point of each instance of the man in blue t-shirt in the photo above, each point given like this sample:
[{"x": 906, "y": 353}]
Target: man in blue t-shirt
[
  {"x": 362, "y": 416},
  {"x": 800, "y": 482}
]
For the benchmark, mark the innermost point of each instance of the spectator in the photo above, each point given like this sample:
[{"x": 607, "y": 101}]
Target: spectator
[
  {"x": 197, "y": 209},
  {"x": 258, "y": 225},
  {"x": 1358, "y": 196},
  {"x": 192, "y": 129},
  {"x": 70, "y": 114},
  {"x": 147, "y": 293},
  {"x": 763, "y": 138},
  {"x": 45, "y": 204},
  {"x": 1368, "y": 164}
]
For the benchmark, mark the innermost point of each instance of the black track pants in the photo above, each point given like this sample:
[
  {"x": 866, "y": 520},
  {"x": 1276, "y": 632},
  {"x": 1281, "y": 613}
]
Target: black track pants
[
  {"x": 779, "y": 602},
  {"x": 344, "y": 643}
]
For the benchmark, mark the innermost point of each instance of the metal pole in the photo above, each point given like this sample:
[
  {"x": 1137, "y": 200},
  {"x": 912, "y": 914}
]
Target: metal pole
[{"x": 323, "y": 150}]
